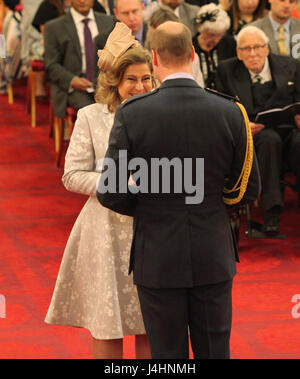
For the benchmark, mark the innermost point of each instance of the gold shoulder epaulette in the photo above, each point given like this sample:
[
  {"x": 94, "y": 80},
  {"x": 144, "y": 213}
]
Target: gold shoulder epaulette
[{"x": 228, "y": 97}]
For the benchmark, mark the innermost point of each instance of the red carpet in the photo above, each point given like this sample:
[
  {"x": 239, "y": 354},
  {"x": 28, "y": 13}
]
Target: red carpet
[{"x": 36, "y": 216}]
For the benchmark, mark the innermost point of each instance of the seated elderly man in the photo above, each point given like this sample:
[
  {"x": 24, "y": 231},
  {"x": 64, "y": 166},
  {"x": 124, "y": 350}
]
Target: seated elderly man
[{"x": 264, "y": 81}]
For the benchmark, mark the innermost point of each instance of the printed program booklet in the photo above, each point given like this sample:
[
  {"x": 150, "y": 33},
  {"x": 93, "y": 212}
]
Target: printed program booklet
[{"x": 279, "y": 116}]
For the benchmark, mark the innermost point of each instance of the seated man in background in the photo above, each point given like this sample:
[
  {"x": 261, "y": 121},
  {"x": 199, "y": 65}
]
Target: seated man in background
[
  {"x": 130, "y": 13},
  {"x": 69, "y": 54},
  {"x": 281, "y": 28},
  {"x": 264, "y": 81}
]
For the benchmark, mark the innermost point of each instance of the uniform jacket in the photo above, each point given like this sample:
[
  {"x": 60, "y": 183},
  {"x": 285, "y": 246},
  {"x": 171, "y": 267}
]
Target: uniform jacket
[{"x": 177, "y": 245}]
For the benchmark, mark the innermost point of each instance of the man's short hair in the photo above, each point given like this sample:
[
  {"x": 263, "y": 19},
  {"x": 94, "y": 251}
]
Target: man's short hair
[
  {"x": 173, "y": 48},
  {"x": 162, "y": 15},
  {"x": 251, "y": 29},
  {"x": 116, "y": 3}
]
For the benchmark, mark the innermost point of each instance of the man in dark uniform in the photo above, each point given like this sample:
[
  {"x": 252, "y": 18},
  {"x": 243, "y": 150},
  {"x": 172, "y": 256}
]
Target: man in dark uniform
[
  {"x": 183, "y": 254},
  {"x": 264, "y": 81}
]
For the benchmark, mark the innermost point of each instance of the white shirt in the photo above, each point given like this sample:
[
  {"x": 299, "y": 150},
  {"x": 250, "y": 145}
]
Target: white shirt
[
  {"x": 77, "y": 17},
  {"x": 265, "y": 73},
  {"x": 176, "y": 11}
]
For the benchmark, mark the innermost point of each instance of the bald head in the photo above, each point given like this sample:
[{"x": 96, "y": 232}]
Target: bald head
[
  {"x": 172, "y": 41},
  {"x": 172, "y": 27}
]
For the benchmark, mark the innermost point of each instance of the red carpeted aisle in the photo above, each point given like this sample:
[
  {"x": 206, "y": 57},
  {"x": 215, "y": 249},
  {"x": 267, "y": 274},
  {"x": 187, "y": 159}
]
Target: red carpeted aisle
[{"x": 36, "y": 216}]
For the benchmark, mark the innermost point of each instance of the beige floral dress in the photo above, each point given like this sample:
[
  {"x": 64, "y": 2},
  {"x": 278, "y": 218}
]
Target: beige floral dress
[{"x": 93, "y": 289}]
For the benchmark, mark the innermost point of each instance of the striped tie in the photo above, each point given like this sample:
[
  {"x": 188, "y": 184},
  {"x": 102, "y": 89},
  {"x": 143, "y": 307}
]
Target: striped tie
[{"x": 257, "y": 79}]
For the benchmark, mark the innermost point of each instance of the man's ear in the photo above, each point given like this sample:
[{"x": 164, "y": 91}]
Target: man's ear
[
  {"x": 154, "y": 57},
  {"x": 193, "y": 55}
]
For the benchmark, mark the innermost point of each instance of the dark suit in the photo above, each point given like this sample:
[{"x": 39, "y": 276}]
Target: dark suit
[
  {"x": 63, "y": 58},
  {"x": 178, "y": 249},
  {"x": 145, "y": 30},
  {"x": 234, "y": 79}
]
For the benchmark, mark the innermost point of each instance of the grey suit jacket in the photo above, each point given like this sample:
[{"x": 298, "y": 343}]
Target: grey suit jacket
[
  {"x": 266, "y": 26},
  {"x": 63, "y": 58},
  {"x": 187, "y": 15}
]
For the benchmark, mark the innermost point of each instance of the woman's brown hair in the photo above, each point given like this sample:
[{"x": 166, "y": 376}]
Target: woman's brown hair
[
  {"x": 59, "y": 4},
  {"x": 233, "y": 8}
]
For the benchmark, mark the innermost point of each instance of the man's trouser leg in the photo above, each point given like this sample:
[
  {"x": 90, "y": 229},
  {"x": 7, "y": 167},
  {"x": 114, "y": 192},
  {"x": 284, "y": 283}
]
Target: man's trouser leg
[{"x": 205, "y": 310}]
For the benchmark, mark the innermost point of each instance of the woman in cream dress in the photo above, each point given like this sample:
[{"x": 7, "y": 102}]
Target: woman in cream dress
[{"x": 93, "y": 289}]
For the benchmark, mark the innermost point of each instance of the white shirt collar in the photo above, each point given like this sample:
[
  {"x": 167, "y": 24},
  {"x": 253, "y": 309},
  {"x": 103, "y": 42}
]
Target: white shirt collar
[
  {"x": 176, "y": 11},
  {"x": 276, "y": 25},
  {"x": 265, "y": 72},
  {"x": 78, "y": 17},
  {"x": 179, "y": 75}
]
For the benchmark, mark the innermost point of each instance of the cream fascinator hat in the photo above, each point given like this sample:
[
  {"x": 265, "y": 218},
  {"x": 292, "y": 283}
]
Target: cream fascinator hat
[{"x": 119, "y": 40}]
